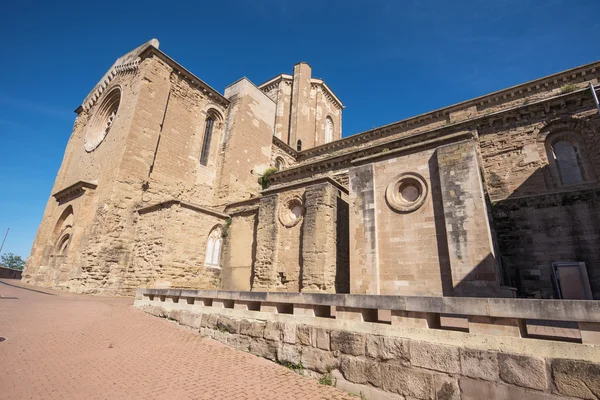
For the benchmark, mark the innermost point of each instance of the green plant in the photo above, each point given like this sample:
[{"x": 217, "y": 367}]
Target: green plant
[
  {"x": 264, "y": 180},
  {"x": 225, "y": 231},
  {"x": 567, "y": 88},
  {"x": 298, "y": 368},
  {"x": 327, "y": 379}
]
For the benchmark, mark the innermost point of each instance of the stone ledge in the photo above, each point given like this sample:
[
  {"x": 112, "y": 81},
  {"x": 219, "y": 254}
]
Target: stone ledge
[
  {"x": 414, "y": 370},
  {"x": 539, "y": 309}
]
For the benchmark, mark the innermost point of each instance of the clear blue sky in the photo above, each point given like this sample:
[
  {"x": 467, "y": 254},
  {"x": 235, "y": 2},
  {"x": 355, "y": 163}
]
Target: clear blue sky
[{"x": 386, "y": 60}]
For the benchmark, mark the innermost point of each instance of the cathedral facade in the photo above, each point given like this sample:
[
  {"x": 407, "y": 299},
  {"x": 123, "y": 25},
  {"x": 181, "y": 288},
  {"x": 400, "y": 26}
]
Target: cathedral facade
[{"x": 166, "y": 182}]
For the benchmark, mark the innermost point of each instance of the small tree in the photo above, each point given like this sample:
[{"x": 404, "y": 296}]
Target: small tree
[{"x": 9, "y": 260}]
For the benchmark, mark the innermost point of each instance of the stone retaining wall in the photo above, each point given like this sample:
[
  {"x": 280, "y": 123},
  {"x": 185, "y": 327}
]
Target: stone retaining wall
[
  {"x": 370, "y": 358},
  {"x": 9, "y": 273}
]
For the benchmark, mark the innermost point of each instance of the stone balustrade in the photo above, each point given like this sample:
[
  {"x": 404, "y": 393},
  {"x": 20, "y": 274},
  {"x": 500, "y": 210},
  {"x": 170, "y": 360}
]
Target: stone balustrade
[{"x": 562, "y": 320}]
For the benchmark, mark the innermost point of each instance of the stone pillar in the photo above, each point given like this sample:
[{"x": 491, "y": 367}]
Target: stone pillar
[
  {"x": 265, "y": 275},
  {"x": 470, "y": 247},
  {"x": 300, "y": 116},
  {"x": 319, "y": 239},
  {"x": 364, "y": 267}
]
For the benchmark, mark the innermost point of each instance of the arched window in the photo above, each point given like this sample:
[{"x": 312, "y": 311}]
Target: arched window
[
  {"x": 279, "y": 163},
  {"x": 568, "y": 162},
  {"x": 63, "y": 244},
  {"x": 299, "y": 145},
  {"x": 208, "y": 130},
  {"x": 213, "y": 248},
  {"x": 328, "y": 130}
]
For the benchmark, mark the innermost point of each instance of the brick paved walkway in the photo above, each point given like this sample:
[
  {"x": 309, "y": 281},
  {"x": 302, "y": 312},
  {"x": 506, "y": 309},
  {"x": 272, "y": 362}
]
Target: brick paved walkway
[{"x": 65, "y": 346}]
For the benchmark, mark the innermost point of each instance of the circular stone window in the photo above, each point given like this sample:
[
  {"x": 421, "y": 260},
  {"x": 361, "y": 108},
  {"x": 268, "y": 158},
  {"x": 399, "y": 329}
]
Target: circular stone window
[
  {"x": 406, "y": 192},
  {"x": 102, "y": 120},
  {"x": 291, "y": 211}
]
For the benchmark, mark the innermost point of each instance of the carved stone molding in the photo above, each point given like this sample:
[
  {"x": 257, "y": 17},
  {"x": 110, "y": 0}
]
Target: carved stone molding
[
  {"x": 291, "y": 211},
  {"x": 73, "y": 191},
  {"x": 406, "y": 192}
]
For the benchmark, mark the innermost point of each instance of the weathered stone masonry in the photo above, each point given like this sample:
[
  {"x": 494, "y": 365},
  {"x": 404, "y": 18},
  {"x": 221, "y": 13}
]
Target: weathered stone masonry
[{"x": 159, "y": 188}]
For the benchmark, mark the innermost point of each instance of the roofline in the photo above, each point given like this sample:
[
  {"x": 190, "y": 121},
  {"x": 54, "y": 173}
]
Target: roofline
[
  {"x": 318, "y": 81},
  {"x": 186, "y": 73},
  {"x": 446, "y": 110}
]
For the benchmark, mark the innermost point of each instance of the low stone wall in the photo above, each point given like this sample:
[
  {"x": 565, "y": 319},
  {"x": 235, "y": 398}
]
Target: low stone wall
[
  {"x": 387, "y": 361},
  {"x": 9, "y": 273}
]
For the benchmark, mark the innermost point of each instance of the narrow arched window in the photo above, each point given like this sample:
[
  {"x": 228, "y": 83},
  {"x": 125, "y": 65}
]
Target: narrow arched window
[
  {"x": 208, "y": 130},
  {"x": 279, "y": 163},
  {"x": 63, "y": 244},
  {"x": 568, "y": 162},
  {"x": 328, "y": 130},
  {"x": 213, "y": 248},
  {"x": 299, "y": 145}
]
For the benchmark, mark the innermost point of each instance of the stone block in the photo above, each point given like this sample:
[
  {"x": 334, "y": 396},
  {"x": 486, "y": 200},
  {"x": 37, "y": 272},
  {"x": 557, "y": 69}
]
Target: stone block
[
  {"x": 239, "y": 342},
  {"x": 174, "y": 315},
  {"x": 360, "y": 370},
  {"x": 288, "y": 331},
  {"x": 290, "y": 353},
  {"x": 577, "y": 378},
  {"x": 473, "y": 389},
  {"x": 319, "y": 360},
  {"x": 272, "y": 331},
  {"x": 321, "y": 338},
  {"x": 158, "y": 311},
  {"x": 190, "y": 319},
  {"x": 209, "y": 321},
  {"x": 220, "y": 336},
  {"x": 228, "y": 324},
  {"x": 524, "y": 371},
  {"x": 348, "y": 342},
  {"x": 251, "y": 328},
  {"x": 446, "y": 387},
  {"x": 479, "y": 364},
  {"x": 387, "y": 348},
  {"x": 435, "y": 356},
  {"x": 264, "y": 348},
  {"x": 304, "y": 335},
  {"x": 407, "y": 381}
]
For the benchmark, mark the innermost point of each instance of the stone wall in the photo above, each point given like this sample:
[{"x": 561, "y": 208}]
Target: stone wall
[
  {"x": 170, "y": 249},
  {"x": 438, "y": 244},
  {"x": 391, "y": 362},
  {"x": 157, "y": 133},
  {"x": 8, "y": 273},
  {"x": 537, "y": 220}
]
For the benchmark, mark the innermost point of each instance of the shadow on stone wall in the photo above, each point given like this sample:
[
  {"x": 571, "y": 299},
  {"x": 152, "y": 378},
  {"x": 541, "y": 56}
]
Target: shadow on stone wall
[{"x": 536, "y": 229}]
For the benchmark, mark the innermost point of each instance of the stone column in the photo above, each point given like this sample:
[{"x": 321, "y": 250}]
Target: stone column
[
  {"x": 318, "y": 264},
  {"x": 364, "y": 264},
  {"x": 300, "y": 117},
  {"x": 265, "y": 275},
  {"x": 472, "y": 259}
]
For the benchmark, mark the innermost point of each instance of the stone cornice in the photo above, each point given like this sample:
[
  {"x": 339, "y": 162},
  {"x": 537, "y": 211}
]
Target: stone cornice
[
  {"x": 509, "y": 93},
  {"x": 417, "y": 140},
  {"x": 75, "y": 190},
  {"x": 328, "y": 92},
  {"x": 285, "y": 147},
  {"x": 393, "y": 147},
  {"x": 315, "y": 82},
  {"x": 399, "y": 127},
  {"x": 304, "y": 183},
  {"x": 184, "y": 204},
  {"x": 210, "y": 92}
]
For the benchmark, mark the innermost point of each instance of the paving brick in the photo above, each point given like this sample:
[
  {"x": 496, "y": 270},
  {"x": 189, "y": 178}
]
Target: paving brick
[{"x": 66, "y": 346}]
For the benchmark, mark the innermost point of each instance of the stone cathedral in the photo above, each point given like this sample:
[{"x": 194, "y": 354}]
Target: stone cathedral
[{"x": 165, "y": 182}]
